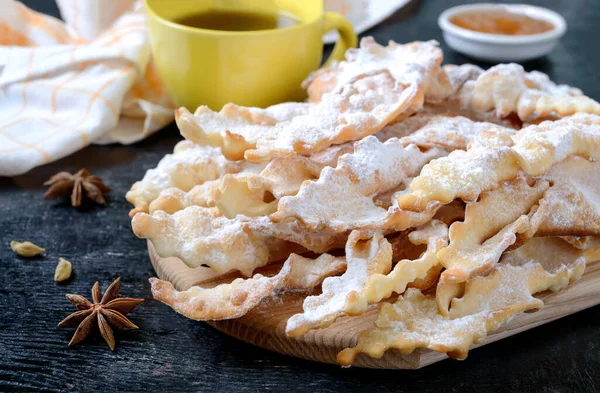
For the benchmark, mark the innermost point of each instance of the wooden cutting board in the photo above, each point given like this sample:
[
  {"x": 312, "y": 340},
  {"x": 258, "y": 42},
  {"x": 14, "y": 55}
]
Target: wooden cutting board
[{"x": 264, "y": 326}]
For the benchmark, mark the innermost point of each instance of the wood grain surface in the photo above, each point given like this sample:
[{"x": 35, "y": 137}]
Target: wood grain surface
[{"x": 264, "y": 325}]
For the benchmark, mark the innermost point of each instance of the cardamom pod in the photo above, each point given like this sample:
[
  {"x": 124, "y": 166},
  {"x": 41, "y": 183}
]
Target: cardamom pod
[
  {"x": 63, "y": 270},
  {"x": 26, "y": 249}
]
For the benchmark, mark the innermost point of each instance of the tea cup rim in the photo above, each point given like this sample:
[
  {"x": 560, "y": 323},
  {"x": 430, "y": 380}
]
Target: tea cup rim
[{"x": 191, "y": 29}]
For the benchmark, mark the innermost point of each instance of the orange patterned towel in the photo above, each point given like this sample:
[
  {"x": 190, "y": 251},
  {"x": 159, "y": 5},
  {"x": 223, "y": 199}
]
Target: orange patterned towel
[{"x": 66, "y": 85}]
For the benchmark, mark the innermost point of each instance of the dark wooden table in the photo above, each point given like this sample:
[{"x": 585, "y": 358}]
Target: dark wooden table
[{"x": 171, "y": 353}]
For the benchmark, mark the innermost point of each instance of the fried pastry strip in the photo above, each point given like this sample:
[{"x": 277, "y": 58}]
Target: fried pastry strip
[
  {"x": 467, "y": 174},
  {"x": 450, "y": 79},
  {"x": 421, "y": 272},
  {"x": 458, "y": 299},
  {"x": 571, "y": 207},
  {"x": 365, "y": 102},
  {"x": 415, "y": 60},
  {"x": 585, "y": 243},
  {"x": 448, "y": 131},
  {"x": 244, "y": 192},
  {"x": 200, "y": 236},
  {"x": 405, "y": 127},
  {"x": 539, "y": 147},
  {"x": 173, "y": 199},
  {"x": 234, "y": 197},
  {"x": 235, "y": 128},
  {"x": 507, "y": 88},
  {"x": 414, "y": 321},
  {"x": 319, "y": 242},
  {"x": 340, "y": 298},
  {"x": 373, "y": 168},
  {"x": 462, "y": 174},
  {"x": 491, "y": 225},
  {"x": 456, "y": 133},
  {"x": 538, "y": 265},
  {"x": 281, "y": 177},
  {"x": 366, "y": 257},
  {"x": 349, "y": 295},
  {"x": 451, "y": 96},
  {"x": 188, "y": 166},
  {"x": 361, "y": 109},
  {"x": 233, "y": 300}
]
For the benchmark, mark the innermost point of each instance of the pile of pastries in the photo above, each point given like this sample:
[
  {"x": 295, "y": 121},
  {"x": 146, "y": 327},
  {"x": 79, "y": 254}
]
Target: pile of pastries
[{"x": 447, "y": 196}]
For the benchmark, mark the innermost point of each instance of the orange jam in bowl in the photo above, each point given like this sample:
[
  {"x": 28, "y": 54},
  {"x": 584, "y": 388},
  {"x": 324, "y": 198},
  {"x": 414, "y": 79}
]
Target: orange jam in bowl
[{"x": 501, "y": 22}]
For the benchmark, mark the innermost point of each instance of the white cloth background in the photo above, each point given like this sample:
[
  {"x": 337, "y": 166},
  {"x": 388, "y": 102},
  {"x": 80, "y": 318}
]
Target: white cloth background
[{"x": 66, "y": 85}]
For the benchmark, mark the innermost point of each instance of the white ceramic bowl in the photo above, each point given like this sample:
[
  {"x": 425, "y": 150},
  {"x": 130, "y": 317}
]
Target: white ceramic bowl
[{"x": 499, "y": 47}]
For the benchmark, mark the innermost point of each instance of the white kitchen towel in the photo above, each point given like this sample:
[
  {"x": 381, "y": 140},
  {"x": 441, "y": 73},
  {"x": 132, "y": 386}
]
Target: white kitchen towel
[
  {"x": 66, "y": 85},
  {"x": 90, "y": 79}
]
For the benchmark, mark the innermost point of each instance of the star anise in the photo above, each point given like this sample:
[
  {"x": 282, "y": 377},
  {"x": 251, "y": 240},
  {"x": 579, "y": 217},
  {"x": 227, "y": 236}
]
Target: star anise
[
  {"x": 63, "y": 183},
  {"x": 105, "y": 311}
]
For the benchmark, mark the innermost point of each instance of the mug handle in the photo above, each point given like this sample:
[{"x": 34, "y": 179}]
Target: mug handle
[{"x": 347, "y": 39}]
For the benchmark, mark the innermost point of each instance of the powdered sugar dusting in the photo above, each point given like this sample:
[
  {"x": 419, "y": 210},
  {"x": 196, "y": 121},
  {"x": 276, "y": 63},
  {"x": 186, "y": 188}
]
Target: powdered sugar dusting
[
  {"x": 361, "y": 109},
  {"x": 235, "y": 299},
  {"x": 363, "y": 261},
  {"x": 200, "y": 236},
  {"x": 203, "y": 194},
  {"x": 406, "y": 63},
  {"x": 541, "y": 264},
  {"x": 452, "y": 133},
  {"x": 507, "y": 88},
  {"x": 189, "y": 165},
  {"x": 414, "y": 322},
  {"x": 372, "y": 88},
  {"x": 467, "y": 174},
  {"x": 372, "y": 169},
  {"x": 387, "y": 138},
  {"x": 478, "y": 242},
  {"x": 247, "y": 122},
  {"x": 572, "y": 204}
]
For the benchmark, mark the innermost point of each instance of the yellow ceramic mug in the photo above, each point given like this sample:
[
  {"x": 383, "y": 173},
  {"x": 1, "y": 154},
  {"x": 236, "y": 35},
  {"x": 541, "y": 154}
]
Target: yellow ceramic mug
[{"x": 249, "y": 68}]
